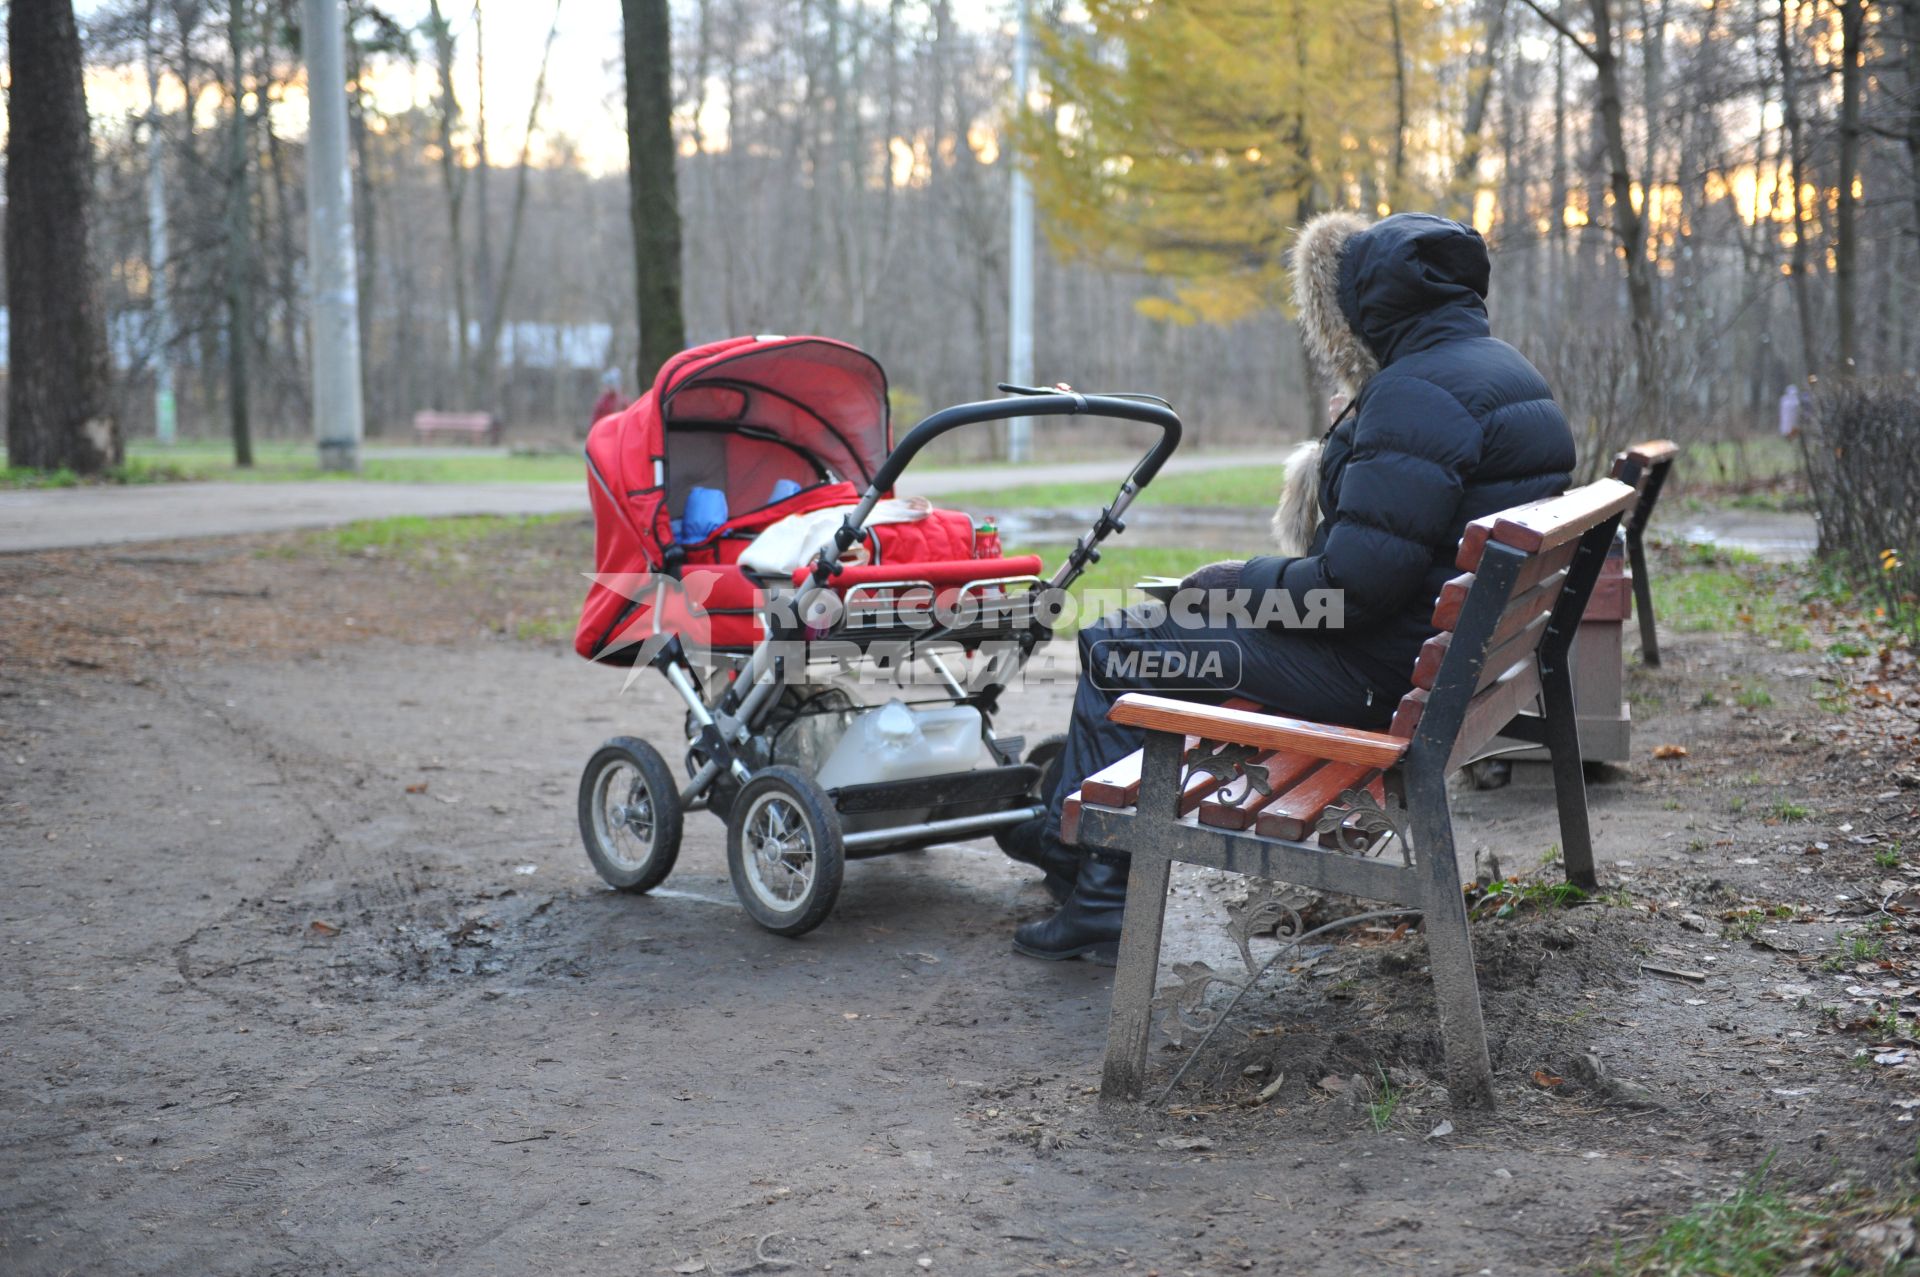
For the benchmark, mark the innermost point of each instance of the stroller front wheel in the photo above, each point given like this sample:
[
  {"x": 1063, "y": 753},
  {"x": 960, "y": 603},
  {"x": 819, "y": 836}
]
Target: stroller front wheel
[
  {"x": 630, "y": 816},
  {"x": 784, "y": 851}
]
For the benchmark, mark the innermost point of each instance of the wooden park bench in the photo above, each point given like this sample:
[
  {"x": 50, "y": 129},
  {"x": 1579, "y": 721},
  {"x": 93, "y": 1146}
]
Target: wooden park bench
[
  {"x": 1599, "y": 650},
  {"x": 1331, "y": 799},
  {"x": 1644, "y": 467},
  {"x": 476, "y": 426}
]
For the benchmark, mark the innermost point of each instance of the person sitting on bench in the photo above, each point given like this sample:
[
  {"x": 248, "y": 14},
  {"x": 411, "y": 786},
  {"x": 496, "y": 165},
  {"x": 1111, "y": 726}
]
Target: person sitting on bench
[{"x": 1444, "y": 424}]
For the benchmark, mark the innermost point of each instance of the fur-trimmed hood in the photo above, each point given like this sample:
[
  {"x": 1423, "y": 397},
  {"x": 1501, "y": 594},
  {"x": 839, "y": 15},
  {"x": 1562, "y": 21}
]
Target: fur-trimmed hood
[
  {"x": 1369, "y": 293},
  {"x": 1337, "y": 352}
]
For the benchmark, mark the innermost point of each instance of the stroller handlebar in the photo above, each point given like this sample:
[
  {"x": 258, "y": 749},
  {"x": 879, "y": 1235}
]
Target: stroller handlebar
[{"x": 1026, "y": 403}]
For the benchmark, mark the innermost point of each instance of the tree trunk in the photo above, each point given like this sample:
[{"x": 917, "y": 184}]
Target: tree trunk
[
  {"x": 239, "y": 263},
  {"x": 57, "y": 409},
  {"x": 483, "y": 394},
  {"x": 1797, "y": 147},
  {"x": 1400, "y": 120},
  {"x": 1910, "y": 36},
  {"x": 1846, "y": 229},
  {"x": 1629, "y": 223},
  {"x": 496, "y": 302},
  {"x": 654, "y": 195},
  {"x": 367, "y": 225},
  {"x": 453, "y": 181},
  {"x": 1466, "y": 169}
]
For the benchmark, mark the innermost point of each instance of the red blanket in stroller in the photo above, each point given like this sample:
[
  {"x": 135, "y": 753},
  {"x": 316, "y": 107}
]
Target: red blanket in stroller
[{"x": 764, "y": 427}]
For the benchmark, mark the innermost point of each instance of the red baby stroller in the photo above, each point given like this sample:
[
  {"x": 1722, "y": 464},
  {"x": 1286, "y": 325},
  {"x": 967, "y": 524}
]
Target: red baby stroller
[{"x": 825, "y": 719}]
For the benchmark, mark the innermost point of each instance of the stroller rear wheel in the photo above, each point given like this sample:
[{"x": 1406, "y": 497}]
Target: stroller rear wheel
[
  {"x": 784, "y": 851},
  {"x": 630, "y": 817}
]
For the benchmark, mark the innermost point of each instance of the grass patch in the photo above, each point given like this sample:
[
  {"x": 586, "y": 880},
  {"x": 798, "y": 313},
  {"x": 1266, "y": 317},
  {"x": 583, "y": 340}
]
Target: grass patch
[
  {"x": 1505, "y": 897},
  {"x": 1253, "y": 487},
  {"x": 26, "y": 477},
  {"x": 415, "y": 534},
  {"x": 1790, "y": 812},
  {"x": 1755, "y": 698},
  {"x": 1109, "y": 583},
  {"x": 1724, "y": 600},
  {"x": 1759, "y": 459},
  {"x": 1384, "y": 1104},
  {"x": 1854, "y": 948},
  {"x": 285, "y": 461},
  {"x": 1754, "y": 1233}
]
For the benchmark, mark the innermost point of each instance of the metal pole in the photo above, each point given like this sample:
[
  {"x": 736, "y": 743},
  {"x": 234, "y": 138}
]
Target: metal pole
[
  {"x": 335, "y": 299},
  {"x": 164, "y": 418},
  {"x": 1020, "y": 294}
]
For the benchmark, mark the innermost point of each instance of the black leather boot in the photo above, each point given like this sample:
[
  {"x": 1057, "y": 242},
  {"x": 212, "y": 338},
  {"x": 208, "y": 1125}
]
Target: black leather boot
[
  {"x": 1088, "y": 924},
  {"x": 1029, "y": 843}
]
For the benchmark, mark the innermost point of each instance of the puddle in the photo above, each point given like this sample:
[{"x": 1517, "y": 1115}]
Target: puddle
[
  {"x": 1233, "y": 530},
  {"x": 1777, "y": 536}
]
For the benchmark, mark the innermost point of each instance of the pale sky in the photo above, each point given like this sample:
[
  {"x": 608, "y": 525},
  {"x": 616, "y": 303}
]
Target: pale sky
[{"x": 583, "y": 78}]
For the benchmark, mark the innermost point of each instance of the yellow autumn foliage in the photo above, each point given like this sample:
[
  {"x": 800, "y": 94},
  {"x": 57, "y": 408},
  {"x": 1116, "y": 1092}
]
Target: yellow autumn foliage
[{"x": 1188, "y": 138}]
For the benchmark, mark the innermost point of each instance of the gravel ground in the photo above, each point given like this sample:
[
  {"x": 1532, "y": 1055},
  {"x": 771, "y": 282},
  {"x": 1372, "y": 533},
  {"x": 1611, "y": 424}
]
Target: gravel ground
[{"x": 309, "y": 974}]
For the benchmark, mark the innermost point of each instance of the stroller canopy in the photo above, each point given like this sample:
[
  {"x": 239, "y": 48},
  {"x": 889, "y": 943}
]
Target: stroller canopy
[
  {"x": 822, "y": 402},
  {"x": 754, "y": 418}
]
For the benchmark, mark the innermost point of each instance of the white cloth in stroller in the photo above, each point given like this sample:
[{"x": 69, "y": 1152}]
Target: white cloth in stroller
[{"x": 790, "y": 544}]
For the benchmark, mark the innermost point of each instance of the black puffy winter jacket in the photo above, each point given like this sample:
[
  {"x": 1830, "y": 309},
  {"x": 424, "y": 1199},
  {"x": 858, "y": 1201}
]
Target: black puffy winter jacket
[{"x": 1455, "y": 424}]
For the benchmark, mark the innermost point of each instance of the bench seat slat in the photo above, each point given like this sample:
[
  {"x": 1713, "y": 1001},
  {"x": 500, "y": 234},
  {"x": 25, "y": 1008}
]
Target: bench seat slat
[
  {"x": 1285, "y": 769},
  {"x": 1243, "y": 727},
  {"x": 1292, "y": 816}
]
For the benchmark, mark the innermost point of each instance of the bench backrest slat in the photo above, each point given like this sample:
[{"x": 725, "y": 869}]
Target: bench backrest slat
[
  {"x": 1550, "y": 550},
  {"x": 1446, "y": 612},
  {"x": 1545, "y": 525},
  {"x": 432, "y": 419},
  {"x": 1492, "y": 708},
  {"x": 1645, "y": 466}
]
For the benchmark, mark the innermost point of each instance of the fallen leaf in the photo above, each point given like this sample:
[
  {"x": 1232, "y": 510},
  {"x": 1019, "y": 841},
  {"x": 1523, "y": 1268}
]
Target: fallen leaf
[
  {"x": 1669, "y": 751},
  {"x": 419, "y": 787},
  {"x": 319, "y": 927},
  {"x": 1332, "y": 1083},
  {"x": 691, "y": 1266},
  {"x": 1185, "y": 1143},
  {"x": 1442, "y": 1131},
  {"x": 1545, "y": 1079},
  {"x": 1268, "y": 1091}
]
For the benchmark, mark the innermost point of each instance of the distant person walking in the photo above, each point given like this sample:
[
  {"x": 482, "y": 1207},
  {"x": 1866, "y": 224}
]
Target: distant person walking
[
  {"x": 610, "y": 400},
  {"x": 1790, "y": 412}
]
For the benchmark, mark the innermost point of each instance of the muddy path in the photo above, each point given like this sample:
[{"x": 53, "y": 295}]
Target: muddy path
[{"x": 308, "y": 974}]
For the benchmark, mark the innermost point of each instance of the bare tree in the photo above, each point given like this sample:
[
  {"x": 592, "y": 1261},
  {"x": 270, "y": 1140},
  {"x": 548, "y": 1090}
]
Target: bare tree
[
  {"x": 57, "y": 410},
  {"x": 652, "y": 183}
]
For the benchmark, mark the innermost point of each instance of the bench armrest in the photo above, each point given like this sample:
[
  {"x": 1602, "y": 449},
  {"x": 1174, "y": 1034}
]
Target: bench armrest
[{"x": 1268, "y": 731}]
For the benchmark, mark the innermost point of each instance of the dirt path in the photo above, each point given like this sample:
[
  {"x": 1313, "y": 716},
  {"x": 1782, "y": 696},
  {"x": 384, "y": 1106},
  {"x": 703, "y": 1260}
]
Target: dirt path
[{"x": 270, "y": 1011}]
